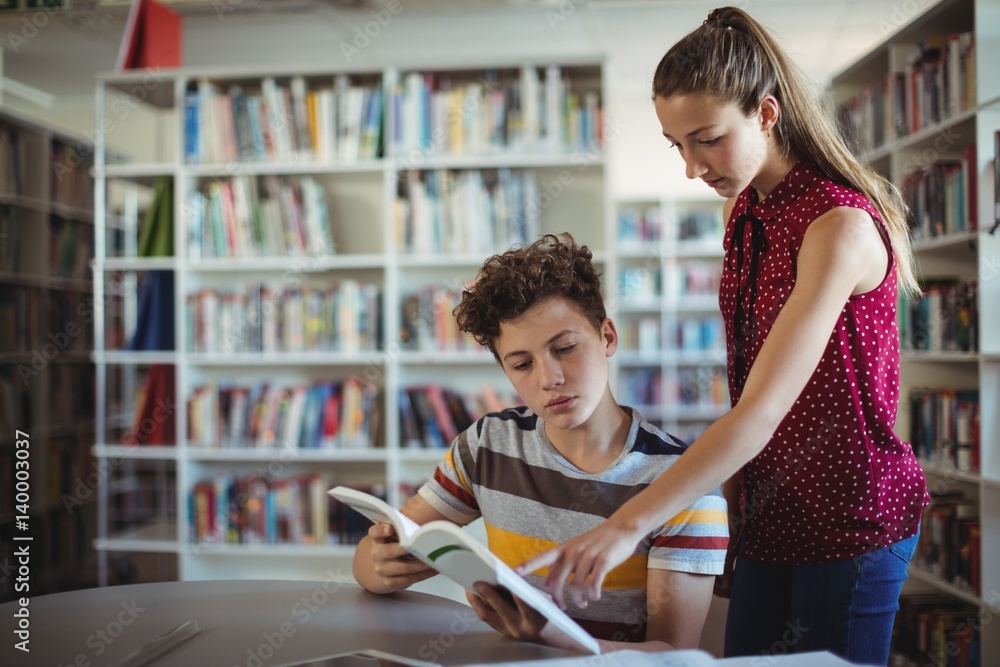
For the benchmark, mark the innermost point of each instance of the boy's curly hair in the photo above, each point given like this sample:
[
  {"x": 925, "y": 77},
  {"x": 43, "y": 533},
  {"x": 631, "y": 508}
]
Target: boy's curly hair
[{"x": 508, "y": 284}]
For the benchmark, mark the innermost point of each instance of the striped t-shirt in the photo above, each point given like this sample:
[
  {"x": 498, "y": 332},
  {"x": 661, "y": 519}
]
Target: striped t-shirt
[{"x": 531, "y": 498}]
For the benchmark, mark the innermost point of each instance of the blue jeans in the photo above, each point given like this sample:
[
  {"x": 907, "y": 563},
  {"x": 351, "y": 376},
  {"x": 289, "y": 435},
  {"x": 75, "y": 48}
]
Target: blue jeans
[{"x": 845, "y": 607}]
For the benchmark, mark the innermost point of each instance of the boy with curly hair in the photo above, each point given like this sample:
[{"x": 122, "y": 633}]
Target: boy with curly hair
[{"x": 547, "y": 471}]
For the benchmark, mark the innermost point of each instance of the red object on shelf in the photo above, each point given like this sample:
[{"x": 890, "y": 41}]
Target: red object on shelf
[{"x": 153, "y": 37}]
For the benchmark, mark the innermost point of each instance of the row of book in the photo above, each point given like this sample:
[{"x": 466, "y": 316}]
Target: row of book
[
  {"x": 258, "y": 510},
  {"x": 945, "y": 427},
  {"x": 69, "y": 409},
  {"x": 12, "y": 162},
  {"x": 324, "y": 415},
  {"x": 698, "y": 279},
  {"x": 16, "y": 402},
  {"x": 428, "y": 325},
  {"x": 700, "y": 334},
  {"x": 269, "y": 216},
  {"x": 690, "y": 279},
  {"x": 348, "y": 526},
  {"x": 341, "y": 317},
  {"x": 941, "y": 196},
  {"x": 71, "y": 183},
  {"x": 944, "y": 319},
  {"x": 639, "y": 225},
  {"x": 931, "y": 629},
  {"x": 432, "y": 416},
  {"x": 938, "y": 81},
  {"x": 699, "y": 386},
  {"x": 10, "y": 259},
  {"x": 640, "y": 283},
  {"x": 701, "y": 224},
  {"x": 640, "y": 334},
  {"x": 950, "y": 542},
  {"x": 475, "y": 211},
  {"x": 435, "y": 114},
  {"x": 19, "y": 311},
  {"x": 71, "y": 246},
  {"x": 282, "y": 121}
]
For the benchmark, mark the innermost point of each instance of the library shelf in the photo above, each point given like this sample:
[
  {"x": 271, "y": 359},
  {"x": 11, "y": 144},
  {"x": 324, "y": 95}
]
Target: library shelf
[
  {"x": 270, "y": 264},
  {"x": 160, "y": 536},
  {"x": 372, "y": 454},
  {"x": 360, "y": 182},
  {"x": 47, "y": 236},
  {"x": 946, "y": 357},
  {"x": 129, "y": 358},
  {"x": 460, "y": 358},
  {"x": 317, "y": 358},
  {"x": 668, "y": 252},
  {"x": 336, "y": 551},
  {"x": 285, "y": 168},
  {"x": 150, "y": 452},
  {"x": 136, "y": 264},
  {"x": 945, "y": 586}
]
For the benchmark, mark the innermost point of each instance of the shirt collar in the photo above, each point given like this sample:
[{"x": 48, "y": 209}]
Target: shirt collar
[{"x": 791, "y": 187}]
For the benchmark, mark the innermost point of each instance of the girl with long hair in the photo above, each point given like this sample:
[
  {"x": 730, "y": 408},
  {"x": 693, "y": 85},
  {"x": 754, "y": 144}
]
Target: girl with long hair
[{"x": 824, "y": 499}]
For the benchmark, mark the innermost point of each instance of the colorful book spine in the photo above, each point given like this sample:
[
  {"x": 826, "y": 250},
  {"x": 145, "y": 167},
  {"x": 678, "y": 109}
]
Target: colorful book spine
[
  {"x": 323, "y": 415},
  {"x": 342, "y": 317},
  {"x": 292, "y": 119}
]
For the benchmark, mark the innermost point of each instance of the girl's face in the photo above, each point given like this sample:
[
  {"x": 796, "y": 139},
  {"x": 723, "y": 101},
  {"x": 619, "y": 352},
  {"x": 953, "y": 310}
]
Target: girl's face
[{"x": 719, "y": 144}]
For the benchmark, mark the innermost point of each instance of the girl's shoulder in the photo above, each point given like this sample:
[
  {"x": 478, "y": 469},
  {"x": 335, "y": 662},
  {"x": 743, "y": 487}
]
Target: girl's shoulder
[{"x": 825, "y": 194}]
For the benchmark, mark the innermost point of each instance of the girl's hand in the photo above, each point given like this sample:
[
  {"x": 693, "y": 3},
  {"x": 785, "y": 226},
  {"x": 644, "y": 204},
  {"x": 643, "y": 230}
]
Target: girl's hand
[
  {"x": 394, "y": 565},
  {"x": 587, "y": 558}
]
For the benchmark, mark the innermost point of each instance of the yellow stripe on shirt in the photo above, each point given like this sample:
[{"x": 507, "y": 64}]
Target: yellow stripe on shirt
[
  {"x": 450, "y": 458},
  {"x": 513, "y": 549},
  {"x": 700, "y": 516}
]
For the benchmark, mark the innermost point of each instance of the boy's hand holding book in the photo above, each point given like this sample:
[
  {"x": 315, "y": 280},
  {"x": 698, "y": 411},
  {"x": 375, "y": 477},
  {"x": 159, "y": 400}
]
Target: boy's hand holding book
[
  {"x": 507, "y": 614},
  {"x": 395, "y": 565}
]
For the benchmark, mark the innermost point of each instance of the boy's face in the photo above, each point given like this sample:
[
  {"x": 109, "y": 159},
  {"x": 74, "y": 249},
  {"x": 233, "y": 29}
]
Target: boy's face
[{"x": 557, "y": 361}]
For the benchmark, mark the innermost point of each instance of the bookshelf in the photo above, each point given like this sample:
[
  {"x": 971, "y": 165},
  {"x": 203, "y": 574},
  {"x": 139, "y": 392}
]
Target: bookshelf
[
  {"x": 923, "y": 108},
  {"x": 46, "y": 242},
  {"x": 316, "y": 254},
  {"x": 671, "y": 359}
]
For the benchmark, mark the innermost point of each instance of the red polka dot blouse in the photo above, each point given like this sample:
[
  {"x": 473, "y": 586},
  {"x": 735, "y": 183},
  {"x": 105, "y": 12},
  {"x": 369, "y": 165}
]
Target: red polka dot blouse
[{"x": 834, "y": 481}]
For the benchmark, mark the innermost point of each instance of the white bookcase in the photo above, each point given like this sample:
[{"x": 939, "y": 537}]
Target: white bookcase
[
  {"x": 46, "y": 375},
  {"x": 360, "y": 195},
  {"x": 672, "y": 356},
  {"x": 959, "y": 254}
]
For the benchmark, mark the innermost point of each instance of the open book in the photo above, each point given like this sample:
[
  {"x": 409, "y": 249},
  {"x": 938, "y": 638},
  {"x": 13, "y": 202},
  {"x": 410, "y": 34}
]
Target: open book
[{"x": 448, "y": 549}]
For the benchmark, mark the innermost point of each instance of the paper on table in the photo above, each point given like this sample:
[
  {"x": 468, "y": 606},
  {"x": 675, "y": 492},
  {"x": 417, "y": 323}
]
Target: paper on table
[{"x": 626, "y": 658}]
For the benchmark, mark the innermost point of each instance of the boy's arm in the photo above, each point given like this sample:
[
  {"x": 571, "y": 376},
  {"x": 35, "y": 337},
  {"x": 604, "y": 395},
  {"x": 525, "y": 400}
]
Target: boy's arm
[
  {"x": 381, "y": 565},
  {"x": 676, "y": 607}
]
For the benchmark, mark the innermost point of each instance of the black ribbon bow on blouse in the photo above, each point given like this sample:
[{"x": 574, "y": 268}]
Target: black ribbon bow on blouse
[{"x": 744, "y": 326}]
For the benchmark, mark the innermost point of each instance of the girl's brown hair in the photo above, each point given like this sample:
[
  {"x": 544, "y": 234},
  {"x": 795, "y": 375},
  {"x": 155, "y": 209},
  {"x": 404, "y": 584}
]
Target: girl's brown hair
[{"x": 732, "y": 58}]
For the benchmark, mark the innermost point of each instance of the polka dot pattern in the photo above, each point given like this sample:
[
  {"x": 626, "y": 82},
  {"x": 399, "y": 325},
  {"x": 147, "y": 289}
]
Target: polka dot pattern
[{"x": 834, "y": 481}]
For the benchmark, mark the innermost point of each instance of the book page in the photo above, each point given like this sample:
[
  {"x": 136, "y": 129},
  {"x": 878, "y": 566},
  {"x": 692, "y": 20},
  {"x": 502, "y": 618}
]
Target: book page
[
  {"x": 626, "y": 658},
  {"x": 448, "y": 550},
  {"x": 377, "y": 510}
]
